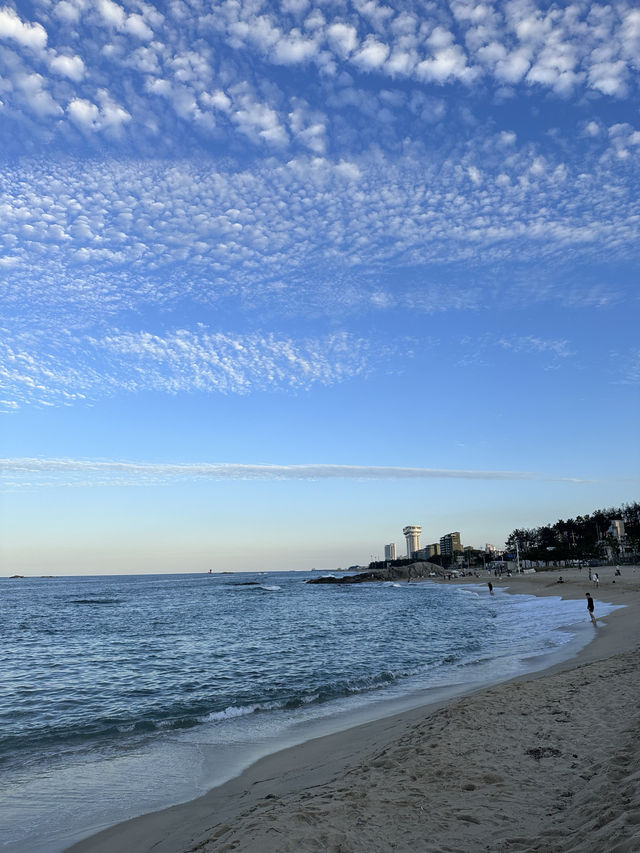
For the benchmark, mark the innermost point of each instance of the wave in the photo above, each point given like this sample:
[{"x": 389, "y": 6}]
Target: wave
[
  {"x": 95, "y": 601},
  {"x": 242, "y": 711},
  {"x": 326, "y": 693}
]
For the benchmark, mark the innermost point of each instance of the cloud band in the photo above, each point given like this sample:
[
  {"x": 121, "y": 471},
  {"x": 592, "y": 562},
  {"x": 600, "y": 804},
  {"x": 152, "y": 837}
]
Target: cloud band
[{"x": 146, "y": 471}]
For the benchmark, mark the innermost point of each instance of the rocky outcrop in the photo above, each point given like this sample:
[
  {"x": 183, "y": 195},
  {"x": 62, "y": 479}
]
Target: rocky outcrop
[
  {"x": 363, "y": 577},
  {"x": 414, "y": 571}
]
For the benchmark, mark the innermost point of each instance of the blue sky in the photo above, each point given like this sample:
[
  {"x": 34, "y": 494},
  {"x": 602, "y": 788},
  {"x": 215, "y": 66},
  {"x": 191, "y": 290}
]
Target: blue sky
[{"x": 280, "y": 278}]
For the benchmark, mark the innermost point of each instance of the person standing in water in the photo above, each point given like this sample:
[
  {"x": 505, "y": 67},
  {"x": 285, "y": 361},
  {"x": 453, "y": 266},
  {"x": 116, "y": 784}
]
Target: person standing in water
[
  {"x": 590, "y": 607},
  {"x": 490, "y": 585}
]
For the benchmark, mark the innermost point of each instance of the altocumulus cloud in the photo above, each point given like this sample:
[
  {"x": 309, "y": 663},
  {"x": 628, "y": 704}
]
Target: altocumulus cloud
[
  {"x": 177, "y": 362},
  {"x": 186, "y": 62}
]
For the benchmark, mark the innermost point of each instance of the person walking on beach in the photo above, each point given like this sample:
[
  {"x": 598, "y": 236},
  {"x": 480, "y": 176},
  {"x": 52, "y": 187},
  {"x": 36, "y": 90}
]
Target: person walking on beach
[
  {"x": 590, "y": 607},
  {"x": 596, "y": 579},
  {"x": 490, "y": 585}
]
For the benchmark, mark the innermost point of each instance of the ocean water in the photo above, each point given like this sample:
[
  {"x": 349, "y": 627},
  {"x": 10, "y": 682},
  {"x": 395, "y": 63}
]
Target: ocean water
[{"x": 124, "y": 694}]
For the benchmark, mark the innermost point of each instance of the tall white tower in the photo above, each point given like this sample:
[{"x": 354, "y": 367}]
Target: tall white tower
[
  {"x": 390, "y": 551},
  {"x": 412, "y": 535}
]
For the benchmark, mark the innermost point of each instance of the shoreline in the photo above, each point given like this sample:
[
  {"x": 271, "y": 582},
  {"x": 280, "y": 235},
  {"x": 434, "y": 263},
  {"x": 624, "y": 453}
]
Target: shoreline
[{"x": 291, "y": 799}]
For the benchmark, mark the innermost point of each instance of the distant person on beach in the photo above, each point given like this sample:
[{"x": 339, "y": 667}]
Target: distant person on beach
[
  {"x": 490, "y": 585},
  {"x": 590, "y": 607},
  {"x": 596, "y": 579}
]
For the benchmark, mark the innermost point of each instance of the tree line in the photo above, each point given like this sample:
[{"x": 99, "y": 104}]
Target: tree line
[{"x": 583, "y": 537}]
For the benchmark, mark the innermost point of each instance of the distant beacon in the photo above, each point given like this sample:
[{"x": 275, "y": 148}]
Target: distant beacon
[{"x": 412, "y": 535}]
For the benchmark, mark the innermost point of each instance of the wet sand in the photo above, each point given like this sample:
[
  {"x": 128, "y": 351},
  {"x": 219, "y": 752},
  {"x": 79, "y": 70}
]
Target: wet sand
[{"x": 548, "y": 762}]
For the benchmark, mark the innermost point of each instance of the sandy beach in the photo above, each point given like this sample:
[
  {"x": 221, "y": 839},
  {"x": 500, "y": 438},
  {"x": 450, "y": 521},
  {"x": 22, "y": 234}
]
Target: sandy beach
[{"x": 546, "y": 762}]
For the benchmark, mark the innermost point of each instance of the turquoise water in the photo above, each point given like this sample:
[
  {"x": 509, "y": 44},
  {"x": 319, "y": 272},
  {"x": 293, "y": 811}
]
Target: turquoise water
[{"x": 125, "y": 694}]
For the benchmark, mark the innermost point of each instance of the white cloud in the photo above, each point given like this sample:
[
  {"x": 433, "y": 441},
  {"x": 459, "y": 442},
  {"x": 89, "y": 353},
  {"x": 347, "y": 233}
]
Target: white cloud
[
  {"x": 447, "y": 63},
  {"x": 293, "y": 49},
  {"x": 83, "y": 113},
  {"x": 475, "y": 175},
  {"x": 33, "y": 93},
  {"x": 190, "y": 53},
  {"x": 532, "y": 343},
  {"x": 217, "y": 99},
  {"x": 378, "y": 14},
  {"x": 315, "y": 21},
  {"x": 308, "y": 127},
  {"x": 68, "y": 11},
  {"x": 440, "y": 38},
  {"x": 343, "y": 38},
  {"x": 68, "y": 66},
  {"x": 624, "y": 139},
  {"x": 627, "y": 367},
  {"x": 513, "y": 67},
  {"x": 264, "y": 33},
  {"x": 137, "y": 26},
  {"x": 295, "y": 7},
  {"x": 401, "y": 62},
  {"x": 183, "y": 361},
  {"x": 372, "y": 54},
  {"x": 348, "y": 170},
  {"x": 13, "y": 28},
  {"x": 101, "y": 472},
  {"x": 87, "y": 116},
  {"x": 112, "y": 13},
  {"x": 284, "y": 233},
  {"x": 258, "y": 121},
  {"x": 609, "y": 77}
]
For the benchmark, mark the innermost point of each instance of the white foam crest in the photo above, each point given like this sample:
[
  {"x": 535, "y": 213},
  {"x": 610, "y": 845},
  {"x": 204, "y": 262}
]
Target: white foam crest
[{"x": 241, "y": 711}]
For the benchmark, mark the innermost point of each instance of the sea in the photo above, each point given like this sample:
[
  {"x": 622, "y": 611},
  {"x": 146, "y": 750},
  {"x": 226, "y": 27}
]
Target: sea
[{"x": 121, "y": 695}]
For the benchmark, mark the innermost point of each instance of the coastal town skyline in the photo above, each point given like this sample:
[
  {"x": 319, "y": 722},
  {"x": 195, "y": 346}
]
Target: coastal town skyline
[{"x": 278, "y": 277}]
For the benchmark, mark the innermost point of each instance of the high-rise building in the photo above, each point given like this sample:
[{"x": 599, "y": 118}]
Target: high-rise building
[
  {"x": 450, "y": 544},
  {"x": 390, "y": 551},
  {"x": 430, "y": 551},
  {"x": 427, "y": 552},
  {"x": 412, "y": 535},
  {"x": 616, "y": 529}
]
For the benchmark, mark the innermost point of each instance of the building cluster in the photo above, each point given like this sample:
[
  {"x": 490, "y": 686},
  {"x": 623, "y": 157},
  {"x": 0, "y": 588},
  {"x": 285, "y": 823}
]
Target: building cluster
[
  {"x": 613, "y": 544},
  {"x": 448, "y": 546}
]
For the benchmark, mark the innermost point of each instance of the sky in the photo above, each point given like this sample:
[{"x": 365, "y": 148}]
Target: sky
[{"x": 280, "y": 278}]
